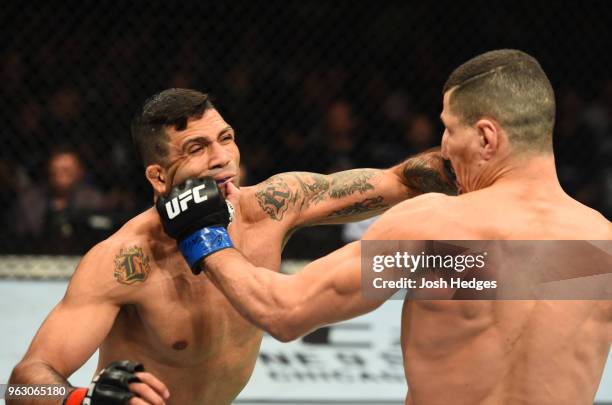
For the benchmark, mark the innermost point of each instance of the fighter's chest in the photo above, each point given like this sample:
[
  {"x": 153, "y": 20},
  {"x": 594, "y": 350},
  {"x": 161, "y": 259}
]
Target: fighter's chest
[{"x": 187, "y": 316}]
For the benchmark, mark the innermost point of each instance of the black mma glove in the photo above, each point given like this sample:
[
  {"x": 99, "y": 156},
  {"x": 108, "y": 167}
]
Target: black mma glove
[
  {"x": 109, "y": 387},
  {"x": 196, "y": 215}
]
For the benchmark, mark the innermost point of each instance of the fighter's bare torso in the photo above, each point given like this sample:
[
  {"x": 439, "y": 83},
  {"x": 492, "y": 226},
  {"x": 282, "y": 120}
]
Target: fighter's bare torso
[
  {"x": 509, "y": 352},
  {"x": 179, "y": 325}
]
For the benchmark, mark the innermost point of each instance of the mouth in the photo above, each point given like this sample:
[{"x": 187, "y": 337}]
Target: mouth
[{"x": 223, "y": 180}]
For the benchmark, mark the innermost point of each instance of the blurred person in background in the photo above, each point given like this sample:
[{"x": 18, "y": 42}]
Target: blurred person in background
[
  {"x": 52, "y": 213},
  {"x": 13, "y": 180},
  {"x": 419, "y": 134},
  {"x": 339, "y": 135}
]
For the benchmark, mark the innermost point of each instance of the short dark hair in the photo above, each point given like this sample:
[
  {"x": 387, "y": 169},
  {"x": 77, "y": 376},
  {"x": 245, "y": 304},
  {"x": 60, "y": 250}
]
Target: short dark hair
[
  {"x": 169, "y": 108},
  {"x": 511, "y": 87}
]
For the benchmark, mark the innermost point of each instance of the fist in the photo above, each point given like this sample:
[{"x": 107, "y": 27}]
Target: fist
[
  {"x": 195, "y": 214},
  {"x": 117, "y": 384}
]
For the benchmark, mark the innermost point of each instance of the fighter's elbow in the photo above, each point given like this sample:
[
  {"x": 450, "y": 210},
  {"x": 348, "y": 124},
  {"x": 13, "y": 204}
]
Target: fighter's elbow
[
  {"x": 19, "y": 373},
  {"x": 284, "y": 325},
  {"x": 282, "y": 335},
  {"x": 284, "y": 332}
]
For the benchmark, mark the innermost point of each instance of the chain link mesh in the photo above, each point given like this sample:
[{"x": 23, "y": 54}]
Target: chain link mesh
[{"x": 317, "y": 86}]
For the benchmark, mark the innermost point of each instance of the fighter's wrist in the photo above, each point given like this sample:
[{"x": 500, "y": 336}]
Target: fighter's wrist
[
  {"x": 202, "y": 243},
  {"x": 210, "y": 262}
]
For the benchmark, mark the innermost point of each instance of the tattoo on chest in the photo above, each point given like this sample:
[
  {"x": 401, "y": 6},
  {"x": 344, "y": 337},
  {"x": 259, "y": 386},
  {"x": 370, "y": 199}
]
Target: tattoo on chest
[
  {"x": 131, "y": 265},
  {"x": 302, "y": 190}
]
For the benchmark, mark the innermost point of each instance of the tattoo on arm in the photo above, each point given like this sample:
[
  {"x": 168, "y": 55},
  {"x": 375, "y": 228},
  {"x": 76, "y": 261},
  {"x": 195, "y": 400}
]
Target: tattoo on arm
[
  {"x": 369, "y": 204},
  {"x": 426, "y": 174},
  {"x": 352, "y": 181},
  {"x": 274, "y": 196},
  {"x": 302, "y": 190},
  {"x": 314, "y": 188}
]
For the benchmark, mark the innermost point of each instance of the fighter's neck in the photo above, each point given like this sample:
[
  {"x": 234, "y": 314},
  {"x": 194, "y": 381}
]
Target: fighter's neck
[{"x": 536, "y": 172}]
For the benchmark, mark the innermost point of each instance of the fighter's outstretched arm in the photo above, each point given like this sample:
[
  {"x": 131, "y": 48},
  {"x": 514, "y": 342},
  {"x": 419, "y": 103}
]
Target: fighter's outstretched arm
[
  {"x": 325, "y": 291},
  {"x": 289, "y": 306},
  {"x": 304, "y": 199}
]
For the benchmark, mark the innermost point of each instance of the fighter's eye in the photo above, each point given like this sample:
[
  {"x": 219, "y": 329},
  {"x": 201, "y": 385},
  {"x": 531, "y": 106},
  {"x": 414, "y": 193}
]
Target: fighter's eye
[
  {"x": 195, "y": 149},
  {"x": 227, "y": 138}
]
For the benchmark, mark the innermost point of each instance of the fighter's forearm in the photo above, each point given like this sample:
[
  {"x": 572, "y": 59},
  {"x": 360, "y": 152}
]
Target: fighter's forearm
[
  {"x": 37, "y": 372},
  {"x": 260, "y": 295}
]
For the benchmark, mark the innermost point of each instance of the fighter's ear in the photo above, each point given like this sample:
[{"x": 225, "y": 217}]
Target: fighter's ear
[
  {"x": 488, "y": 137},
  {"x": 156, "y": 175}
]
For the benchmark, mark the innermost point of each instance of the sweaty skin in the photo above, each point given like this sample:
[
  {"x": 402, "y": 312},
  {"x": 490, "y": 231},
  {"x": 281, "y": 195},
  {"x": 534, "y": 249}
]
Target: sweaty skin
[
  {"x": 135, "y": 298},
  {"x": 457, "y": 352}
]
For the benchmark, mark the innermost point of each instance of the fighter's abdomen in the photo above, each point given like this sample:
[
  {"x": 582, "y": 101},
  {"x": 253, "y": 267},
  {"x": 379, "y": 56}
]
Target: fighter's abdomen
[{"x": 190, "y": 337}]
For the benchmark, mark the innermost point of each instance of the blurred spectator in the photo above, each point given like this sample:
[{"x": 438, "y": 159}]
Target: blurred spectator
[
  {"x": 54, "y": 213},
  {"x": 339, "y": 135},
  {"x": 322, "y": 89},
  {"x": 419, "y": 134},
  {"x": 13, "y": 180}
]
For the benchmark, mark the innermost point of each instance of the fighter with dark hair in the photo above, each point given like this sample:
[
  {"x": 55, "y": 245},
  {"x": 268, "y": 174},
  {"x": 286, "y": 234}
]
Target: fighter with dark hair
[
  {"x": 498, "y": 111},
  {"x": 133, "y": 295}
]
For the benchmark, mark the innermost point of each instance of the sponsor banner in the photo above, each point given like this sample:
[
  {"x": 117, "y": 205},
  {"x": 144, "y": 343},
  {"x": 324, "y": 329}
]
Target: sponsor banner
[
  {"x": 487, "y": 270},
  {"x": 31, "y": 301},
  {"x": 353, "y": 361}
]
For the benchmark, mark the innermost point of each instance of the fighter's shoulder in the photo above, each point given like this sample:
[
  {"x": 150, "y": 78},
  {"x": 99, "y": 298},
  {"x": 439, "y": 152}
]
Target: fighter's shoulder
[
  {"x": 415, "y": 218},
  {"x": 602, "y": 227},
  {"x": 427, "y": 205},
  {"x": 595, "y": 224},
  {"x": 123, "y": 258}
]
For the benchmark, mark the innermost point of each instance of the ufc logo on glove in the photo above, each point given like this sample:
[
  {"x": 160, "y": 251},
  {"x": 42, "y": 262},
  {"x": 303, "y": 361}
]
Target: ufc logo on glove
[
  {"x": 179, "y": 204},
  {"x": 199, "y": 227}
]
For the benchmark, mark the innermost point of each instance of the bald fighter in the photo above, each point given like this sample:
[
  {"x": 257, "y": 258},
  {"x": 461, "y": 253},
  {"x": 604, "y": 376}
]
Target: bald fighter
[
  {"x": 133, "y": 295},
  {"x": 498, "y": 110}
]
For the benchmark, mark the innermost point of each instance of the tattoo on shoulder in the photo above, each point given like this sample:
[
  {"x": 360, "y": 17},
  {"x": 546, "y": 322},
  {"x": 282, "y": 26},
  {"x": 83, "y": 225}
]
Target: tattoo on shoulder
[
  {"x": 367, "y": 205},
  {"x": 131, "y": 265},
  {"x": 277, "y": 194}
]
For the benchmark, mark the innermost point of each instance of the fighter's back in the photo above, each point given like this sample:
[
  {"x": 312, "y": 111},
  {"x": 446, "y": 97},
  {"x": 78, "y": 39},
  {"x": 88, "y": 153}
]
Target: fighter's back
[{"x": 506, "y": 352}]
